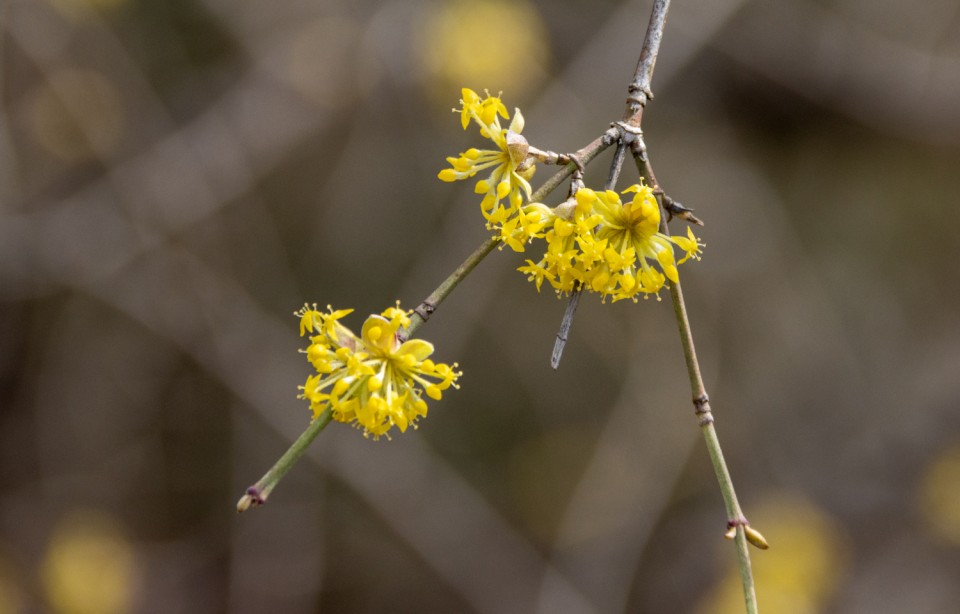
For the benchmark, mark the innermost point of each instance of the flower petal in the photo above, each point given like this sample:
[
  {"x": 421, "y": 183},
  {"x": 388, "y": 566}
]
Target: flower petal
[
  {"x": 418, "y": 348},
  {"x": 377, "y": 335}
]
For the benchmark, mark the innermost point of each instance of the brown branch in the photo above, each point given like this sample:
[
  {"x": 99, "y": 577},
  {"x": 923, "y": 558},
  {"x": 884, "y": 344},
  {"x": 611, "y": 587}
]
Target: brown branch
[
  {"x": 639, "y": 93},
  {"x": 639, "y": 88}
]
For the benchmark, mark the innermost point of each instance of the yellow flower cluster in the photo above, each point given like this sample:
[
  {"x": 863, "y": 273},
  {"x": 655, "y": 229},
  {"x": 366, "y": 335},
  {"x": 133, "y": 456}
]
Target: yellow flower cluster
[
  {"x": 609, "y": 247},
  {"x": 373, "y": 380},
  {"x": 594, "y": 240},
  {"x": 507, "y": 185}
]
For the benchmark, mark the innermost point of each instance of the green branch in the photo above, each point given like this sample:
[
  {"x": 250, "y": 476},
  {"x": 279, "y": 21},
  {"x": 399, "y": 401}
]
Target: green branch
[
  {"x": 738, "y": 528},
  {"x": 258, "y": 493}
]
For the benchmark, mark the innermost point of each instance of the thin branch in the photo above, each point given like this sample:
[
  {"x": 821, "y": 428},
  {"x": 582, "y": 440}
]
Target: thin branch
[
  {"x": 639, "y": 93},
  {"x": 257, "y": 494},
  {"x": 737, "y": 524},
  {"x": 425, "y": 309},
  {"x": 639, "y": 88},
  {"x": 564, "y": 332},
  {"x": 736, "y": 521},
  {"x": 584, "y": 155}
]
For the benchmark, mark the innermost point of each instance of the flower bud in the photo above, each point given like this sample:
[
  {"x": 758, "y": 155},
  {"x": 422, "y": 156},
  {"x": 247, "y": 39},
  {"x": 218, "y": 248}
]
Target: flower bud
[
  {"x": 517, "y": 146},
  {"x": 755, "y": 537}
]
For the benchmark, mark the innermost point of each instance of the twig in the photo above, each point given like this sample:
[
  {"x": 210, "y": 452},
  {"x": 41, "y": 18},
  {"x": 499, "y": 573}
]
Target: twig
[
  {"x": 737, "y": 523},
  {"x": 584, "y": 156},
  {"x": 564, "y": 332},
  {"x": 258, "y": 493},
  {"x": 738, "y": 528},
  {"x": 639, "y": 88},
  {"x": 639, "y": 93},
  {"x": 425, "y": 309}
]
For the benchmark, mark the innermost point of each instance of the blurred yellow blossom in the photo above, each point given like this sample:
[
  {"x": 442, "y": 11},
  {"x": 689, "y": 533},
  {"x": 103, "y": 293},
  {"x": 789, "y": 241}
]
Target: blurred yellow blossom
[
  {"x": 374, "y": 380},
  {"x": 800, "y": 571},
  {"x": 12, "y": 596},
  {"x": 89, "y": 566},
  {"x": 482, "y": 41},
  {"x": 940, "y": 495}
]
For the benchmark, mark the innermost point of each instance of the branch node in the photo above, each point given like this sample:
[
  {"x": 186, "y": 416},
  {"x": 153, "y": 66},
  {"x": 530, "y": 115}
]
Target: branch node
[
  {"x": 639, "y": 94},
  {"x": 610, "y": 136},
  {"x": 425, "y": 310},
  {"x": 576, "y": 162},
  {"x": 738, "y": 522},
  {"x": 624, "y": 127},
  {"x": 628, "y": 132},
  {"x": 754, "y": 537},
  {"x": 701, "y": 407}
]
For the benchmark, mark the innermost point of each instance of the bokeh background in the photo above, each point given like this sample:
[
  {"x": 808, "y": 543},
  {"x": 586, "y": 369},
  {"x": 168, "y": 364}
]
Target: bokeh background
[{"x": 177, "y": 177}]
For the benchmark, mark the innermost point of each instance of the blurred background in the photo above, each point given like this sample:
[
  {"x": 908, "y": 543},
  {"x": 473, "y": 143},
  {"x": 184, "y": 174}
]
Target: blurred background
[{"x": 177, "y": 177}]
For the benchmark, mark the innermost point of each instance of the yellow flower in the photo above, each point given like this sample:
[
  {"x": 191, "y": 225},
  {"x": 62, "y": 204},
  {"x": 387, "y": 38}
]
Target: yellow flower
[
  {"x": 690, "y": 244},
  {"x": 612, "y": 248},
  {"x": 511, "y": 167},
  {"x": 372, "y": 380},
  {"x": 525, "y": 226},
  {"x": 563, "y": 264}
]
